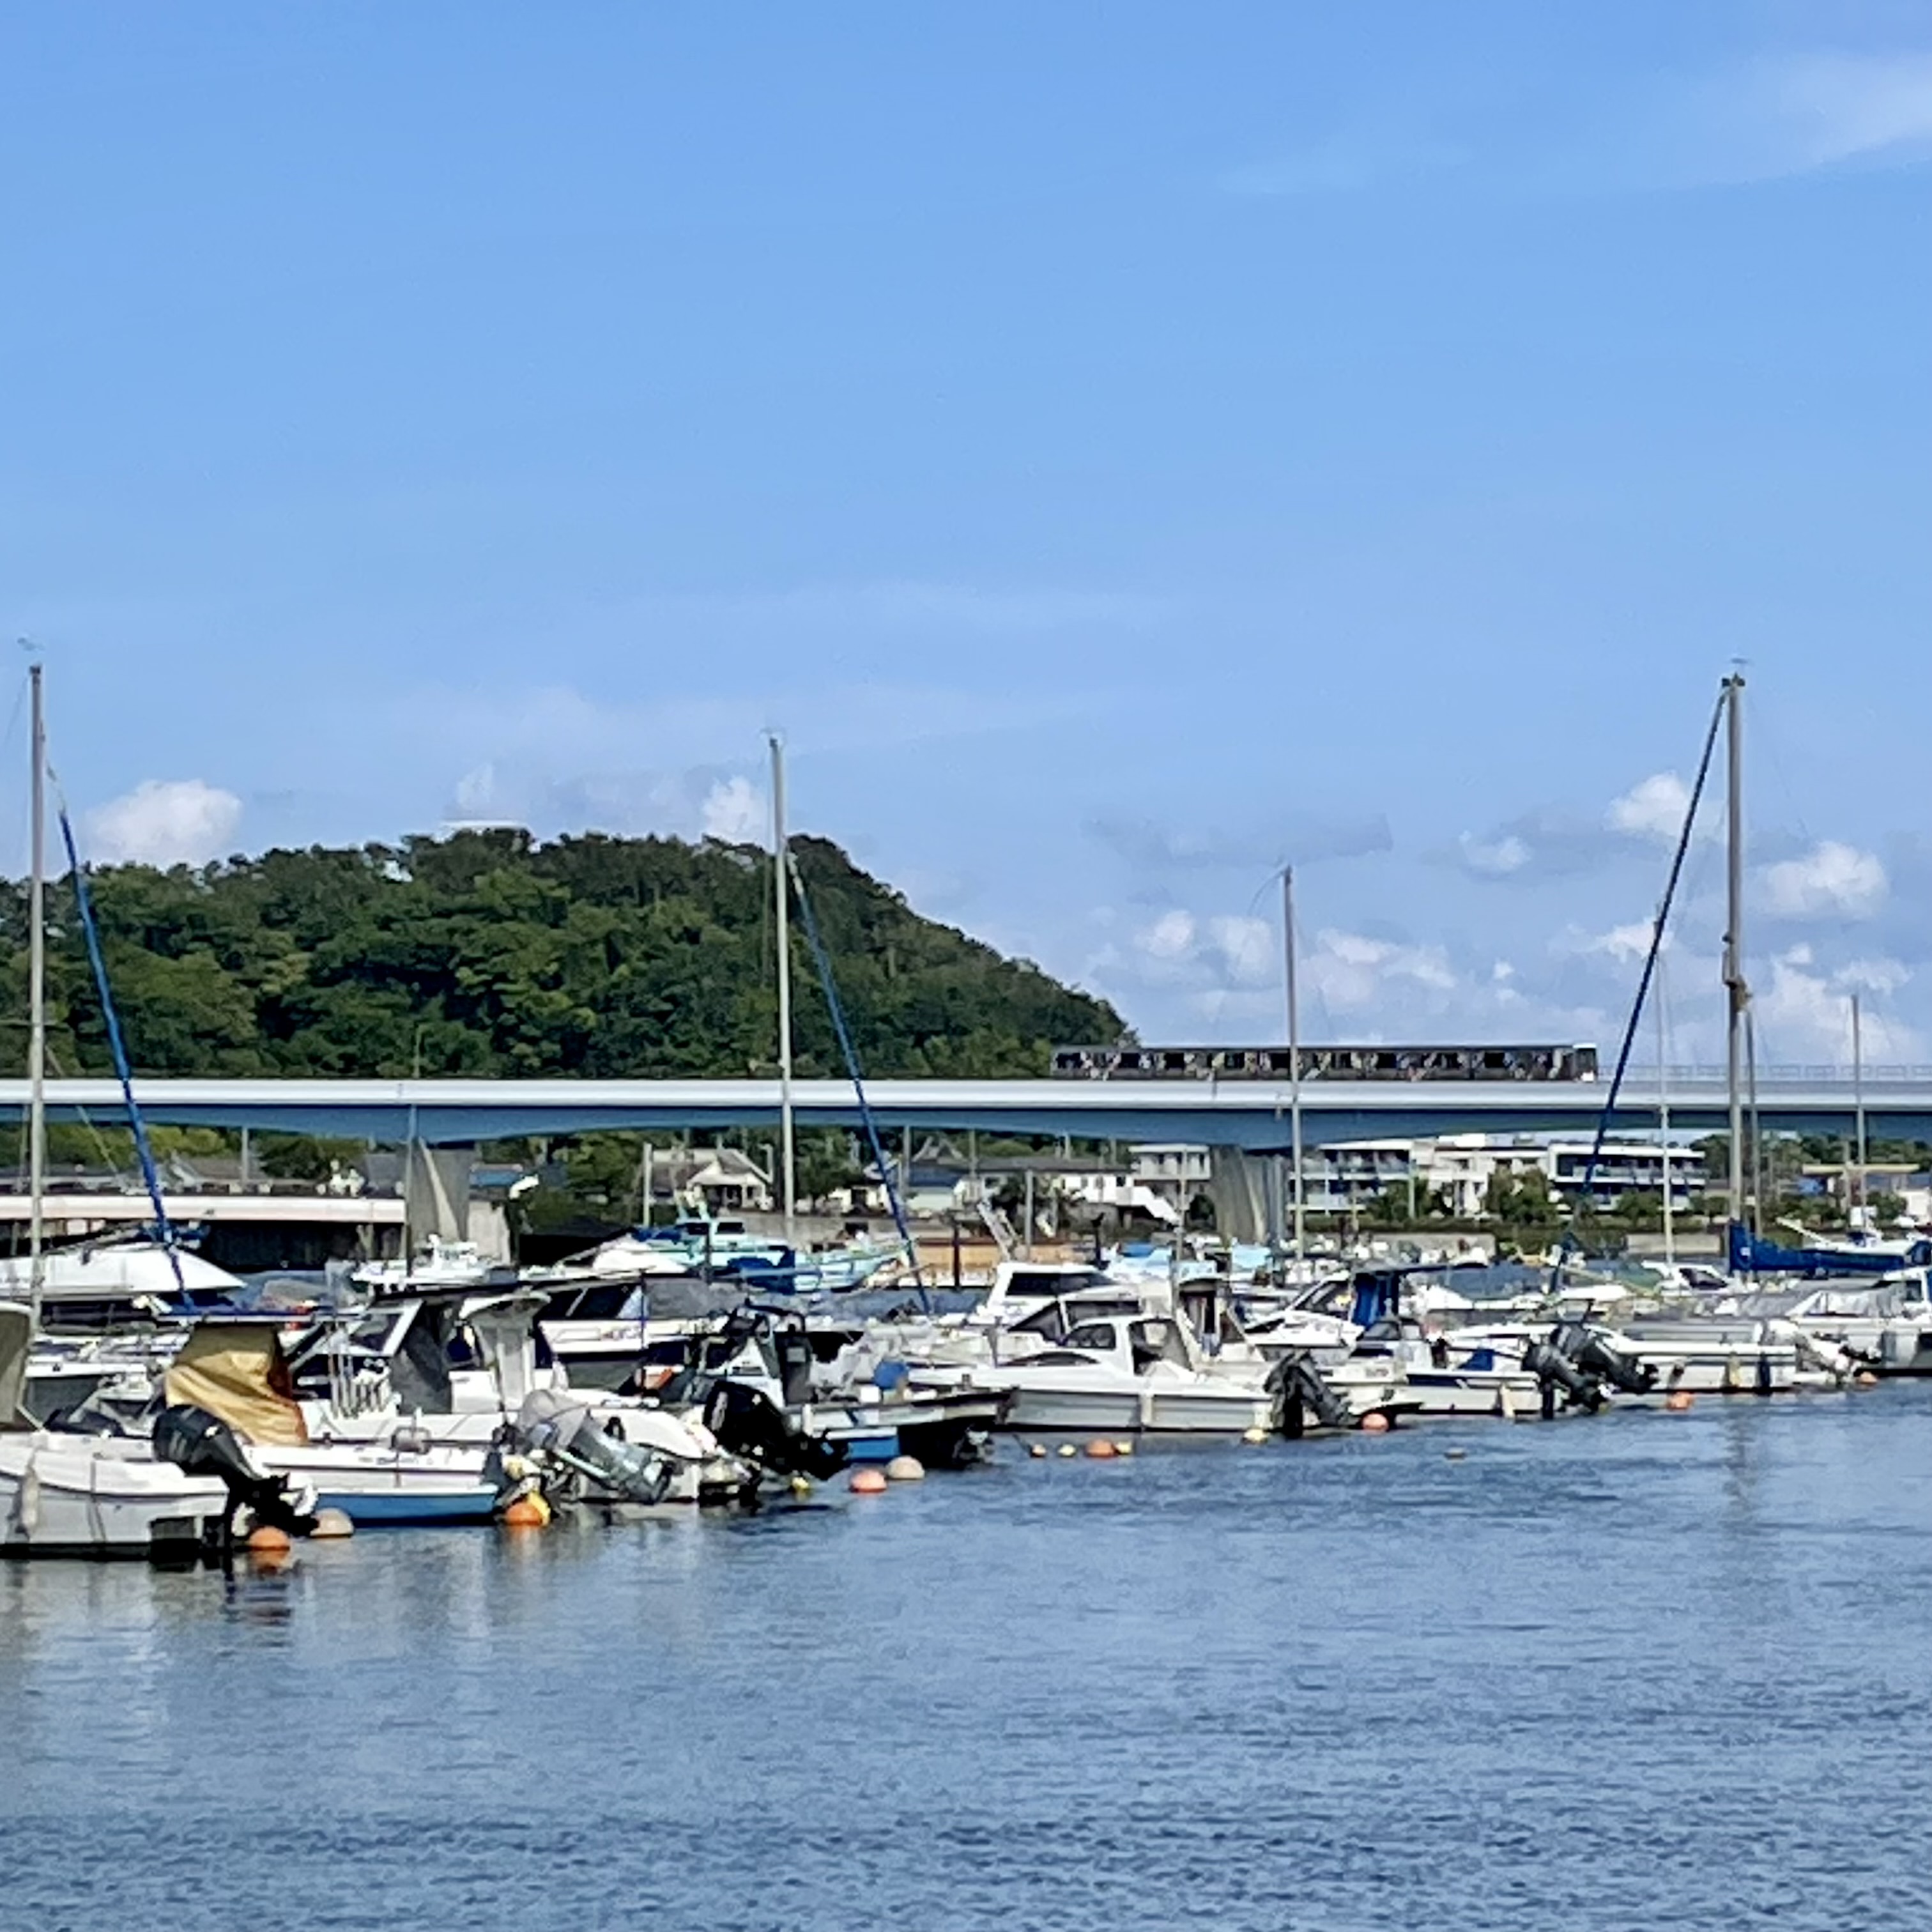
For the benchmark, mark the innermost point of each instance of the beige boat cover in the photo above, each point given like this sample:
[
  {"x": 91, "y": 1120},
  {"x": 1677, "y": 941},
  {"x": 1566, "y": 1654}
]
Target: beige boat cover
[
  {"x": 235, "y": 1369},
  {"x": 16, "y": 1335}
]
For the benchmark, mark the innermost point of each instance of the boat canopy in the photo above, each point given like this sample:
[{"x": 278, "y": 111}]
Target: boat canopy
[{"x": 235, "y": 1370}]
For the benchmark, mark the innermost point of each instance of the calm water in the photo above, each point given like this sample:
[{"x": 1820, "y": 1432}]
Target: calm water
[{"x": 1654, "y": 1669}]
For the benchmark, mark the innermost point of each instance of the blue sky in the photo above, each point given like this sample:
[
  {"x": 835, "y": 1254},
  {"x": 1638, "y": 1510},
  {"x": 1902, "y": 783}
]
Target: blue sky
[{"x": 1122, "y": 448}]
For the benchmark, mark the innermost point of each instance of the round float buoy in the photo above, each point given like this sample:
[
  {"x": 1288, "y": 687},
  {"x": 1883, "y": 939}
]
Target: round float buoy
[
  {"x": 1036, "y": 1448},
  {"x": 1068, "y": 1449},
  {"x": 1866, "y": 1379},
  {"x": 867, "y": 1482},
  {"x": 1454, "y": 1455},
  {"x": 1254, "y": 1435},
  {"x": 331, "y": 1523},
  {"x": 264, "y": 1540},
  {"x": 530, "y": 1512},
  {"x": 1124, "y": 1446},
  {"x": 801, "y": 1486},
  {"x": 1100, "y": 1449},
  {"x": 906, "y": 1469},
  {"x": 1679, "y": 1399},
  {"x": 1374, "y": 1422}
]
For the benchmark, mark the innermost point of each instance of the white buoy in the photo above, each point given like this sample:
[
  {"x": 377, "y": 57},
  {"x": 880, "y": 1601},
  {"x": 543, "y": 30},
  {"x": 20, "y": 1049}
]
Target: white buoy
[
  {"x": 906, "y": 1469},
  {"x": 331, "y": 1523}
]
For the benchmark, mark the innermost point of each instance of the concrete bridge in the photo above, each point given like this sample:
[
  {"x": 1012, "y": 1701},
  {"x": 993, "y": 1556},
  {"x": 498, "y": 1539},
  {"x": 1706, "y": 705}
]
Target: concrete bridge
[{"x": 1247, "y": 1114}]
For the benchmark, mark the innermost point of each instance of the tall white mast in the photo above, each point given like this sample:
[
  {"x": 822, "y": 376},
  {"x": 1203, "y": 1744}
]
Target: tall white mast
[
  {"x": 782, "y": 923},
  {"x": 1738, "y": 994},
  {"x": 1858, "y": 1102},
  {"x": 37, "y": 1010},
  {"x": 1300, "y": 1195},
  {"x": 1663, "y": 1113}
]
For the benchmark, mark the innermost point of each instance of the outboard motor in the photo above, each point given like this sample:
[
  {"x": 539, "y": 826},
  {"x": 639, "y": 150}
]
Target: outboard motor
[
  {"x": 1302, "y": 1392},
  {"x": 748, "y": 1423},
  {"x": 1593, "y": 1353},
  {"x": 567, "y": 1430},
  {"x": 1556, "y": 1371},
  {"x": 203, "y": 1445}
]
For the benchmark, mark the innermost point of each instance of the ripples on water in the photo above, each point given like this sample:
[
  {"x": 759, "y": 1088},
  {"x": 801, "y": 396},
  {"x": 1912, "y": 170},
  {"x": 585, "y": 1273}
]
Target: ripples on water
[{"x": 1653, "y": 1670}]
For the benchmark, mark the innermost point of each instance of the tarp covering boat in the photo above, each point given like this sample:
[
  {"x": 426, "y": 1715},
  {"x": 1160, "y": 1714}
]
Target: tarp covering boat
[
  {"x": 16, "y": 1335},
  {"x": 235, "y": 1370},
  {"x": 1752, "y": 1254}
]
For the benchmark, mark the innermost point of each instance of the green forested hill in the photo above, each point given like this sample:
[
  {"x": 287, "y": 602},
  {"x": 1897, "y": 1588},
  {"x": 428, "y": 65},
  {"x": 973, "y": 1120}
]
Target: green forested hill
[{"x": 485, "y": 952}]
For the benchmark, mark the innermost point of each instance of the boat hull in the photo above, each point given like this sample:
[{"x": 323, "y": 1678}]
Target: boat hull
[{"x": 78, "y": 1496}]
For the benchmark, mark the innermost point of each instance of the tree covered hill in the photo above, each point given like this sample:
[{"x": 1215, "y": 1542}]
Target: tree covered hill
[{"x": 488, "y": 953}]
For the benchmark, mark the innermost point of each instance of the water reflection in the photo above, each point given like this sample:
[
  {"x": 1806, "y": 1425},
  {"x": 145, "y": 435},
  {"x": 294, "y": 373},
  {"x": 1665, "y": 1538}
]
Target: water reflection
[{"x": 1653, "y": 1669}]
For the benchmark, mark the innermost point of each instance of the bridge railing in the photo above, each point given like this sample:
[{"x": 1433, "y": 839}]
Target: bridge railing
[{"x": 1782, "y": 1073}]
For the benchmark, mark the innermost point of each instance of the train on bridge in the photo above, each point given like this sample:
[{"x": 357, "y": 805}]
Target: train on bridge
[{"x": 1541, "y": 1063}]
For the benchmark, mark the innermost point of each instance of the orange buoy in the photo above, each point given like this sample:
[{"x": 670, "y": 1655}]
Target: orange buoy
[
  {"x": 264, "y": 1540},
  {"x": 1679, "y": 1399},
  {"x": 1099, "y": 1448},
  {"x": 867, "y": 1482},
  {"x": 1374, "y": 1422},
  {"x": 1866, "y": 1379},
  {"x": 530, "y": 1512}
]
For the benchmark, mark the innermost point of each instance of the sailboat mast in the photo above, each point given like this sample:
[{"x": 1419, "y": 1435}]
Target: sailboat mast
[
  {"x": 37, "y": 1009},
  {"x": 1738, "y": 995},
  {"x": 781, "y": 914},
  {"x": 1300, "y": 1196},
  {"x": 1858, "y": 1103},
  {"x": 1663, "y": 1117}
]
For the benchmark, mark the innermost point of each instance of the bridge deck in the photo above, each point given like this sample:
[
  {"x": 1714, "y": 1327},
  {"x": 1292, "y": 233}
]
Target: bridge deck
[{"x": 1245, "y": 1113}]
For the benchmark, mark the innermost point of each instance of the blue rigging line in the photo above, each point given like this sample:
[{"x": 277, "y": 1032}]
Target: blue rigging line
[
  {"x": 823, "y": 963},
  {"x": 1564, "y": 1245},
  {"x": 116, "y": 1045}
]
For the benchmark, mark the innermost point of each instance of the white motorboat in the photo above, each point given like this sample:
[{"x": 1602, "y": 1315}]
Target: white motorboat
[
  {"x": 402, "y": 1406},
  {"x": 1712, "y": 1354},
  {"x": 1119, "y": 1373},
  {"x": 65, "y": 1494}
]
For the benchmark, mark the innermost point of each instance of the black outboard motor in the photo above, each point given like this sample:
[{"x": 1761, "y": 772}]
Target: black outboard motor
[
  {"x": 1557, "y": 1371},
  {"x": 1595, "y": 1356},
  {"x": 748, "y": 1423},
  {"x": 204, "y": 1445},
  {"x": 1303, "y": 1392}
]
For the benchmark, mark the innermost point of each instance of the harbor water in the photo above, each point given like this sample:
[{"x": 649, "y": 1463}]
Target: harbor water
[{"x": 1654, "y": 1669}]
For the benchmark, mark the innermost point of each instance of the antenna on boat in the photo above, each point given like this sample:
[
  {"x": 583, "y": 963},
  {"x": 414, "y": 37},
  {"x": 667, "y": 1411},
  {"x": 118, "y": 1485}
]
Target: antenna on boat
[
  {"x": 781, "y": 910},
  {"x": 37, "y": 1009}
]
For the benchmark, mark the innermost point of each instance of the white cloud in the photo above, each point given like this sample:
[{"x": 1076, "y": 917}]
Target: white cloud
[
  {"x": 1620, "y": 942},
  {"x": 1831, "y": 881},
  {"x": 734, "y": 811},
  {"x": 1836, "y": 107},
  {"x": 1352, "y": 971},
  {"x": 1217, "y": 953},
  {"x": 1653, "y": 807},
  {"x": 1804, "y": 1014},
  {"x": 165, "y": 822},
  {"x": 1245, "y": 949},
  {"x": 1495, "y": 858}
]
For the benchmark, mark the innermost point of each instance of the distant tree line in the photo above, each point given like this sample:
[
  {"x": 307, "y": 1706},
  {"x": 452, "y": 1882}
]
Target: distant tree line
[{"x": 488, "y": 953}]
